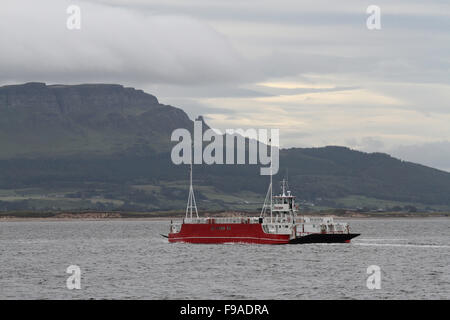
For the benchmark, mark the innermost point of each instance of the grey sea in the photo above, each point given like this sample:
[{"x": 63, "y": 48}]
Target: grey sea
[{"x": 123, "y": 259}]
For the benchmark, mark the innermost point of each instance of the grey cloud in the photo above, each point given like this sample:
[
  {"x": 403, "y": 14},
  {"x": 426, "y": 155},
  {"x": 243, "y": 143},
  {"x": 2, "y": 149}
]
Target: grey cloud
[
  {"x": 435, "y": 154},
  {"x": 296, "y": 91},
  {"x": 317, "y": 13},
  {"x": 207, "y": 91},
  {"x": 113, "y": 45},
  {"x": 194, "y": 108},
  {"x": 372, "y": 144}
]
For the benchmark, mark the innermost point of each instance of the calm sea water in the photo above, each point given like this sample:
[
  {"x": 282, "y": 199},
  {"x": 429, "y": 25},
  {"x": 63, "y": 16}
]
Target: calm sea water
[{"x": 130, "y": 260}]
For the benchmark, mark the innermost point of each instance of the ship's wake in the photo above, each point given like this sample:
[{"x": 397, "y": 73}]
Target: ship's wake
[{"x": 401, "y": 245}]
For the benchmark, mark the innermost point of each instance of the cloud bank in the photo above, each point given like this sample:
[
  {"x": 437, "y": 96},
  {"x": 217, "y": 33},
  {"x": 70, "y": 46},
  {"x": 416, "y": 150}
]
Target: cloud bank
[{"x": 113, "y": 44}]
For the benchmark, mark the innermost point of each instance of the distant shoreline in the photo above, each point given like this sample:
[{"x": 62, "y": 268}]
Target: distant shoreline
[{"x": 161, "y": 216}]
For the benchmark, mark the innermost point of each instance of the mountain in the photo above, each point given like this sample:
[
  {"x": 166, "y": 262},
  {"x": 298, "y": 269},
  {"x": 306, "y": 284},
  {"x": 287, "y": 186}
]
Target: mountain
[
  {"x": 337, "y": 172},
  {"x": 107, "y": 147},
  {"x": 91, "y": 119}
]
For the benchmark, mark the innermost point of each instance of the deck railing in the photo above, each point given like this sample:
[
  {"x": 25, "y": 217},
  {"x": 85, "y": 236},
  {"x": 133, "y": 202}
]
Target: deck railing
[{"x": 225, "y": 220}]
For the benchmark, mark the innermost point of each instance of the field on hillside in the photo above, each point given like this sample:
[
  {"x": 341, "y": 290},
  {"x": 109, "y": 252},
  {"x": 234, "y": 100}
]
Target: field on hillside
[{"x": 171, "y": 196}]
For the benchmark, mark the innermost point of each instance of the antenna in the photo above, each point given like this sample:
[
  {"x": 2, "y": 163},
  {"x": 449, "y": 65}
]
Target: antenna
[
  {"x": 287, "y": 178},
  {"x": 283, "y": 187},
  {"x": 191, "y": 204}
]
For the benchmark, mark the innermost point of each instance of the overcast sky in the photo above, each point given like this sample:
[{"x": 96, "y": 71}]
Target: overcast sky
[{"x": 310, "y": 68}]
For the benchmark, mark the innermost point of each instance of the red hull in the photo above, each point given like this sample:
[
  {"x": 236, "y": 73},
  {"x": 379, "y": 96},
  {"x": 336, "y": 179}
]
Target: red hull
[{"x": 226, "y": 233}]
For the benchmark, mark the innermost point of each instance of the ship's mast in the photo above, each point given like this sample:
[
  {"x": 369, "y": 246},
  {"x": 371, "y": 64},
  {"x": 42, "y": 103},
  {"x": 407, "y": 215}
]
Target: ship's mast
[
  {"x": 191, "y": 204},
  {"x": 269, "y": 191},
  {"x": 287, "y": 178}
]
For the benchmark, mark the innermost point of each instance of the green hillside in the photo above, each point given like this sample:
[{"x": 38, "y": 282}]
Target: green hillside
[{"x": 107, "y": 147}]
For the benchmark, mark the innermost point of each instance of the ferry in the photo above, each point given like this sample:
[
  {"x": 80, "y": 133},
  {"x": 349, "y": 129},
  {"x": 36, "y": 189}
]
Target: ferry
[{"x": 278, "y": 223}]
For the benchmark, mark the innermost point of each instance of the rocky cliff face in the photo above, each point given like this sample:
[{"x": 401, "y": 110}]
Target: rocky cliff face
[{"x": 59, "y": 120}]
